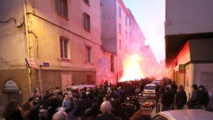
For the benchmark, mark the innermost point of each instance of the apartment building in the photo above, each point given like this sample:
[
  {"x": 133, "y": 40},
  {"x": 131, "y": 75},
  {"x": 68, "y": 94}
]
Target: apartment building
[
  {"x": 48, "y": 45},
  {"x": 120, "y": 32},
  {"x": 189, "y": 42}
]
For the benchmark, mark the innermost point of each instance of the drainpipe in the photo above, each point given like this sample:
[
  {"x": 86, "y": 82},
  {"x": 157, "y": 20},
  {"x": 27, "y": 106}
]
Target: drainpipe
[{"x": 27, "y": 45}]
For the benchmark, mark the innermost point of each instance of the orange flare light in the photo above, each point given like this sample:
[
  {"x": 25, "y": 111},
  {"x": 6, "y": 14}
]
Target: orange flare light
[{"x": 132, "y": 68}]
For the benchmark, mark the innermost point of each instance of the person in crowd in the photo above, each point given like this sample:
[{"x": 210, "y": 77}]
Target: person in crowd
[
  {"x": 82, "y": 104},
  {"x": 95, "y": 109},
  {"x": 36, "y": 94},
  {"x": 30, "y": 109},
  {"x": 11, "y": 111},
  {"x": 46, "y": 97},
  {"x": 140, "y": 116},
  {"x": 89, "y": 94},
  {"x": 121, "y": 91},
  {"x": 105, "y": 108},
  {"x": 180, "y": 98},
  {"x": 166, "y": 100},
  {"x": 107, "y": 97},
  {"x": 117, "y": 110},
  {"x": 169, "y": 84},
  {"x": 56, "y": 91},
  {"x": 66, "y": 101},
  {"x": 194, "y": 101},
  {"x": 173, "y": 91},
  {"x": 60, "y": 115},
  {"x": 54, "y": 106},
  {"x": 204, "y": 97},
  {"x": 114, "y": 94},
  {"x": 70, "y": 108},
  {"x": 95, "y": 91}
]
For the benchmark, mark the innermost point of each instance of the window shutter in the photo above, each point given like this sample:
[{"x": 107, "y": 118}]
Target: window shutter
[
  {"x": 89, "y": 23},
  {"x": 84, "y": 17},
  {"x": 58, "y": 6}
]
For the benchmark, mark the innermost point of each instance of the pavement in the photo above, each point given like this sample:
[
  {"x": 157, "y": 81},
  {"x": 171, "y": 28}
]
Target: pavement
[{"x": 1, "y": 108}]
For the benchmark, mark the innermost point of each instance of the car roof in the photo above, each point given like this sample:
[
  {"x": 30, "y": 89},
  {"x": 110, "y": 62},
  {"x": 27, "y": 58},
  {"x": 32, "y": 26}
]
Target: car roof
[
  {"x": 150, "y": 85},
  {"x": 81, "y": 86},
  {"x": 188, "y": 114}
]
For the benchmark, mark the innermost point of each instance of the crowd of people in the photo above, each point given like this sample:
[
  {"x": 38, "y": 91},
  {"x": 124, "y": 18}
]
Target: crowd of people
[
  {"x": 104, "y": 102},
  {"x": 172, "y": 96},
  {"x": 98, "y": 103}
]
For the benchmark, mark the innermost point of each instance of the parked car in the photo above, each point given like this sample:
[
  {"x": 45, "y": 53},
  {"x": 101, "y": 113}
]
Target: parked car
[
  {"x": 184, "y": 114},
  {"x": 149, "y": 90},
  {"x": 79, "y": 87},
  {"x": 157, "y": 81}
]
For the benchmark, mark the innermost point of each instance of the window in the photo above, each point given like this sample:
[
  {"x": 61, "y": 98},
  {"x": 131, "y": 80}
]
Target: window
[
  {"x": 126, "y": 35},
  {"x": 64, "y": 47},
  {"x": 88, "y": 54},
  {"x": 120, "y": 46},
  {"x": 130, "y": 36},
  {"x": 126, "y": 21},
  {"x": 129, "y": 21},
  {"x": 119, "y": 12},
  {"x": 120, "y": 28},
  {"x": 112, "y": 63},
  {"x": 86, "y": 22},
  {"x": 62, "y": 8},
  {"x": 86, "y": 1}
]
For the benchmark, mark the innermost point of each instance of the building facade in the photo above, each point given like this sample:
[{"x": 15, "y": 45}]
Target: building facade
[
  {"x": 189, "y": 40},
  {"x": 121, "y": 34},
  {"x": 60, "y": 40}
]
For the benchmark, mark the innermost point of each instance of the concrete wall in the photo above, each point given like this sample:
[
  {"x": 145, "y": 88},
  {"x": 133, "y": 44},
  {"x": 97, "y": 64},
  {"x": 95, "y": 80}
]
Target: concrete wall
[
  {"x": 54, "y": 78},
  {"x": 12, "y": 38},
  {"x": 19, "y": 76},
  {"x": 13, "y": 44},
  {"x": 189, "y": 78},
  {"x": 45, "y": 26},
  {"x": 204, "y": 76},
  {"x": 48, "y": 35},
  {"x": 188, "y": 16},
  {"x": 109, "y": 25},
  {"x": 121, "y": 37}
]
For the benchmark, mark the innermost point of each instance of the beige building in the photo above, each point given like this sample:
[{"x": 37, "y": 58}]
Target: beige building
[
  {"x": 189, "y": 43},
  {"x": 62, "y": 38},
  {"x": 121, "y": 34}
]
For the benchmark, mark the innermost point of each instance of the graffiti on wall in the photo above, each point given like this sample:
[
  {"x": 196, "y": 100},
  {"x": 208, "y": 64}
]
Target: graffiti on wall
[{"x": 103, "y": 73}]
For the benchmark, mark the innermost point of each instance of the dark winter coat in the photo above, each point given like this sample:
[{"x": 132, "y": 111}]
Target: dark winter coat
[
  {"x": 107, "y": 116},
  {"x": 15, "y": 116},
  {"x": 166, "y": 99},
  {"x": 94, "y": 110},
  {"x": 196, "y": 98},
  {"x": 83, "y": 104},
  {"x": 204, "y": 98},
  {"x": 180, "y": 99},
  {"x": 33, "y": 114}
]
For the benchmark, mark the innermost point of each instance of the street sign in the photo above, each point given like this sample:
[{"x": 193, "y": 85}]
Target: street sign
[{"x": 31, "y": 63}]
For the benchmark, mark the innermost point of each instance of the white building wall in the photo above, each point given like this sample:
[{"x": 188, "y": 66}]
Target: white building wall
[
  {"x": 204, "y": 76},
  {"x": 121, "y": 37},
  {"x": 188, "y": 16}
]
